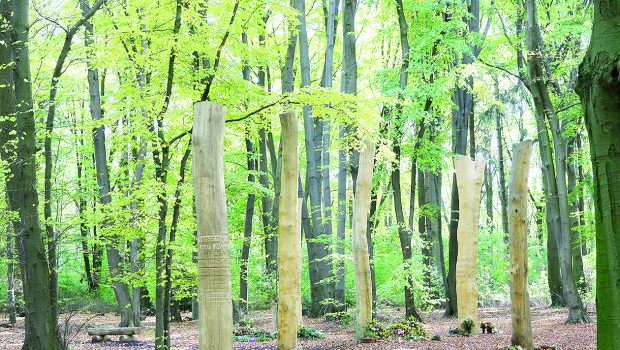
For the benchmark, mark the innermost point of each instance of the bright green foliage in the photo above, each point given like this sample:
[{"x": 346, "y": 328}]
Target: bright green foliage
[{"x": 133, "y": 42}]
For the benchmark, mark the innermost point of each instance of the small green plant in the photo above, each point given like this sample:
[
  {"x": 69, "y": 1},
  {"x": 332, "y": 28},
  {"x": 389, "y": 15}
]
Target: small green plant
[
  {"x": 309, "y": 333},
  {"x": 376, "y": 330},
  {"x": 343, "y": 318},
  {"x": 250, "y": 334},
  {"x": 410, "y": 329},
  {"x": 467, "y": 325}
]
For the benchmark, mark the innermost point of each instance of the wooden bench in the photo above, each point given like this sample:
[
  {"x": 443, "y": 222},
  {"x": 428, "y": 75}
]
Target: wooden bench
[{"x": 126, "y": 334}]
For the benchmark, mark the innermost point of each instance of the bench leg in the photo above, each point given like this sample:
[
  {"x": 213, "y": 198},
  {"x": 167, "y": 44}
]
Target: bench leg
[
  {"x": 127, "y": 338},
  {"x": 100, "y": 338}
]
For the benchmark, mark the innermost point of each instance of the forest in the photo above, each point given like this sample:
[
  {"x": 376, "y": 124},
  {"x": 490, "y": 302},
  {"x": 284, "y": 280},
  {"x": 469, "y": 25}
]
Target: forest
[{"x": 309, "y": 174}]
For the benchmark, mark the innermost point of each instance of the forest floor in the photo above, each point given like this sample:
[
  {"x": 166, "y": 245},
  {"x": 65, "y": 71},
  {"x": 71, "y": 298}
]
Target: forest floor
[{"x": 549, "y": 330}]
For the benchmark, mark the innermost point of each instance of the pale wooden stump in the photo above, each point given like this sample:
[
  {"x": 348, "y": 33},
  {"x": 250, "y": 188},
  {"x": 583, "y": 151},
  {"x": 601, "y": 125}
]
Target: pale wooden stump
[
  {"x": 517, "y": 228},
  {"x": 363, "y": 285},
  {"x": 289, "y": 238},
  {"x": 214, "y": 280},
  {"x": 469, "y": 176}
]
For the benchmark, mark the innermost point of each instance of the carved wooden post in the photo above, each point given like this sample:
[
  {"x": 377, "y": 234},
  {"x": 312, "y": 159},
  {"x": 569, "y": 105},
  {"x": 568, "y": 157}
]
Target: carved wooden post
[
  {"x": 214, "y": 281},
  {"x": 289, "y": 239},
  {"x": 517, "y": 220},
  {"x": 361, "y": 208},
  {"x": 469, "y": 175}
]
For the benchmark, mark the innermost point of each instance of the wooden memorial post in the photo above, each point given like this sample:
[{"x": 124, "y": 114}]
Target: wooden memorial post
[
  {"x": 469, "y": 175},
  {"x": 361, "y": 258},
  {"x": 517, "y": 228},
  {"x": 289, "y": 239},
  {"x": 214, "y": 280}
]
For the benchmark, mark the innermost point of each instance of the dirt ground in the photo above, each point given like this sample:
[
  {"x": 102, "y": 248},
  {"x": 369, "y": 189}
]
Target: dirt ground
[{"x": 548, "y": 329}]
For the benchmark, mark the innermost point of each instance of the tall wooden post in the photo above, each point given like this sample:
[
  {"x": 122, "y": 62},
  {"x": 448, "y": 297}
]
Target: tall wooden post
[
  {"x": 214, "y": 280},
  {"x": 289, "y": 239},
  {"x": 361, "y": 257},
  {"x": 469, "y": 176},
  {"x": 517, "y": 227}
]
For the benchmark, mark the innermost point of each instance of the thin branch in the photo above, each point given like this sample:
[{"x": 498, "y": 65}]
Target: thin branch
[
  {"x": 500, "y": 68},
  {"x": 567, "y": 107},
  {"x": 218, "y": 54}
]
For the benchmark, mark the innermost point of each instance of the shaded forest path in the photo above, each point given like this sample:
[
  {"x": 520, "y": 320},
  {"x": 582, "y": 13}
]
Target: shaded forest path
[{"x": 548, "y": 329}]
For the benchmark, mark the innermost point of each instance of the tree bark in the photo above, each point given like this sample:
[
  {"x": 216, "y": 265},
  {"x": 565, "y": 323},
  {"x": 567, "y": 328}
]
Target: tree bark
[
  {"x": 214, "y": 279},
  {"x": 544, "y": 107},
  {"x": 469, "y": 176},
  {"x": 289, "y": 240},
  {"x": 320, "y": 265},
  {"x": 575, "y": 235},
  {"x": 247, "y": 228},
  {"x": 81, "y": 207},
  {"x": 519, "y": 295},
  {"x": 503, "y": 197},
  {"x": 18, "y": 150},
  {"x": 599, "y": 88}
]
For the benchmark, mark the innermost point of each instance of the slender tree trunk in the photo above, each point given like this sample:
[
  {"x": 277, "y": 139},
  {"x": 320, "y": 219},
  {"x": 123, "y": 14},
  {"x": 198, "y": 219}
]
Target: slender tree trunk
[
  {"x": 575, "y": 240},
  {"x": 503, "y": 196},
  {"x": 176, "y": 208},
  {"x": 488, "y": 193},
  {"x": 247, "y": 231},
  {"x": 403, "y": 231},
  {"x": 519, "y": 295},
  {"x": 544, "y": 107},
  {"x": 10, "y": 274},
  {"x": 81, "y": 207},
  {"x": 326, "y": 81},
  {"x": 348, "y": 85},
  {"x": 599, "y": 88},
  {"x": 321, "y": 269},
  {"x": 214, "y": 279}
]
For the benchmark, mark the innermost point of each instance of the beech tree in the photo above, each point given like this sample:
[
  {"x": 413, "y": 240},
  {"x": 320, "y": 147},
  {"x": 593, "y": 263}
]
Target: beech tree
[{"x": 599, "y": 88}]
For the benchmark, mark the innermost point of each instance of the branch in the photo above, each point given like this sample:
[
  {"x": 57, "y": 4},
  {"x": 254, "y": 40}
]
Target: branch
[
  {"x": 253, "y": 112},
  {"x": 85, "y": 17},
  {"x": 173, "y": 55},
  {"x": 567, "y": 107},
  {"x": 501, "y": 68},
  {"x": 218, "y": 54}
]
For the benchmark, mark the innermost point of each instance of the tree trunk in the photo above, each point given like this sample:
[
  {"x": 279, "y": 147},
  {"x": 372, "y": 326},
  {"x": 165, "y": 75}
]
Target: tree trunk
[
  {"x": 488, "y": 193},
  {"x": 81, "y": 207},
  {"x": 326, "y": 81},
  {"x": 18, "y": 150},
  {"x": 10, "y": 274},
  {"x": 519, "y": 295},
  {"x": 322, "y": 285},
  {"x": 503, "y": 197},
  {"x": 544, "y": 107},
  {"x": 575, "y": 240},
  {"x": 403, "y": 235},
  {"x": 359, "y": 246},
  {"x": 289, "y": 240},
  {"x": 599, "y": 88},
  {"x": 115, "y": 261},
  {"x": 214, "y": 280},
  {"x": 469, "y": 175},
  {"x": 247, "y": 230},
  {"x": 464, "y": 99}
]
